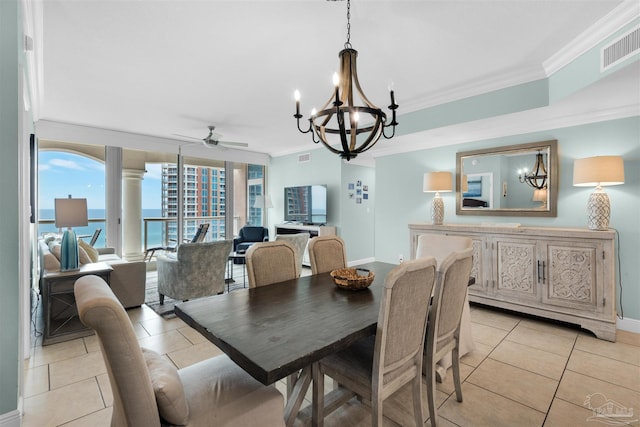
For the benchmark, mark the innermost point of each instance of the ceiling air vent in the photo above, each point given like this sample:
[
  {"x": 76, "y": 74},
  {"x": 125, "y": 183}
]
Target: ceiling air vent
[
  {"x": 304, "y": 158},
  {"x": 620, "y": 49}
]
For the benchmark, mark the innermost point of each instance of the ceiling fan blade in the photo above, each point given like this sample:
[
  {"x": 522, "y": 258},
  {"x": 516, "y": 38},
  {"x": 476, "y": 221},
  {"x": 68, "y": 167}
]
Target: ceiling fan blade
[{"x": 234, "y": 144}]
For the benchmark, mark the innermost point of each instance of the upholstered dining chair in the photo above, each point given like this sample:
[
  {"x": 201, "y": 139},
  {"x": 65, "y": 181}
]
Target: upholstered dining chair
[
  {"x": 327, "y": 253},
  {"x": 149, "y": 391},
  {"x": 271, "y": 262},
  {"x": 197, "y": 270},
  {"x": 443, "y": 327},
  {"x": 440, "y": 246},
  {"x": 299, "y": 242},
  {"x": 376, "y": 367}
]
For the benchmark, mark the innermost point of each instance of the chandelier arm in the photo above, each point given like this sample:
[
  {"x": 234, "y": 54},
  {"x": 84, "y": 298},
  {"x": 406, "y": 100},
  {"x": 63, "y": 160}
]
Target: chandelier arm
[
  {"x": 298, "y": 123},
  {"x": 393, "y": 131}
]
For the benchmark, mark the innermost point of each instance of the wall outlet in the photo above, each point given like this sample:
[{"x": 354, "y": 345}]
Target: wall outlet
[{"x": 400, "y": 258}]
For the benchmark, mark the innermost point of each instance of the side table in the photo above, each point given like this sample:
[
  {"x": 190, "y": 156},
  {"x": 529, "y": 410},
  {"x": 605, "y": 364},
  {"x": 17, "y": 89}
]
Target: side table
[
  {"x": 61, "y": 322},
  {"x": 237, "y": 256}
]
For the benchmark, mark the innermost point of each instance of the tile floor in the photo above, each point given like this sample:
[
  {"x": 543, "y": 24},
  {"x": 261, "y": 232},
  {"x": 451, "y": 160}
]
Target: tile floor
[{"x": 523, "y": 372}]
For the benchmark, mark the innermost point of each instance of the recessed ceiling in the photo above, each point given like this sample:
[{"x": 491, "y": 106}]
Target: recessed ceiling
[{"x": 162, "y": 68}]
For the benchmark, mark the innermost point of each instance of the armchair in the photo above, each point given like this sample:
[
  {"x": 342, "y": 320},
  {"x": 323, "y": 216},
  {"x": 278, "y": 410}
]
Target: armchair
[
  {"x": 197, "y": 270},
  {"x": 249, "y": 235}
]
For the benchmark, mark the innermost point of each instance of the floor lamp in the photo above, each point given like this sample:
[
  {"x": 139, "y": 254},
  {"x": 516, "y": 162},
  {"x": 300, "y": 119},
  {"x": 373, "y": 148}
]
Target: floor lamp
[
  {"x": 70, "y": 213},
  {"x": 597, "y": 172},
  {"x": 436, "y": 182}
]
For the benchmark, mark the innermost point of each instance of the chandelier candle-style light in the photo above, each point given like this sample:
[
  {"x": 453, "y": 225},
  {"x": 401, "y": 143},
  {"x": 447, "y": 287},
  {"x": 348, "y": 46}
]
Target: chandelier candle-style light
[
  {"x": 340, "y": 122},
  {"x": 538, "y": 176}
]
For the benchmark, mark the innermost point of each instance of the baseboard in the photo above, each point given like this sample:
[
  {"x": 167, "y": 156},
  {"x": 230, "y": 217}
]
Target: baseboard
[
  {"x": 10, "y": 419},
  {"x": 629, "y": 325}
]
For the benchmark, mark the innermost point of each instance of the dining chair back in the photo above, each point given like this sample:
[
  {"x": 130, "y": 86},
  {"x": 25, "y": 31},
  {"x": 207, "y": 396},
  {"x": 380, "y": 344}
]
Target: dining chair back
[
  {"x": 148, "y": 389},
  {"x": 299, "y": 242},
  {"x": 271, "y": 262},
  {"x": 443, "y": 327},
  {"x": 440, "y": 246},
  {"x": 327, "y": 253},
  {"x": 376, "y": 367}
]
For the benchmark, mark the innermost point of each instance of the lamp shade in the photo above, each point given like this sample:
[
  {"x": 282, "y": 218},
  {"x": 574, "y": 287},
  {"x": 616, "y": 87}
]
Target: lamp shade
[
  {"x": 464, "y": 184},
  {"x": 599, "y": 170},
  {"x": 71, "y": 213},
  {"x": 540, "y": 195},
  {"x": 437, "y": 182}
]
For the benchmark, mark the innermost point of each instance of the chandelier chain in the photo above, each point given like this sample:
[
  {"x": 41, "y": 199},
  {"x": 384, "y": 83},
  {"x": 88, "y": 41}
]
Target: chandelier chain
[{"x": 347, "y": 44}]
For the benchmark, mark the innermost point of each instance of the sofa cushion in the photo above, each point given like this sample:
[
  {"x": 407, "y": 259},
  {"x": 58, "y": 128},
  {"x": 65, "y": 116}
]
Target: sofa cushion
[
  {"x": 92, "y": 253},
  {"x": 167, "y": 386}
]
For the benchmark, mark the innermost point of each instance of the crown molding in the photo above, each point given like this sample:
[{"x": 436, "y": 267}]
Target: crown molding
[
  {"x": 592, "y": 36},
  {"x": 475, "y": 87}
]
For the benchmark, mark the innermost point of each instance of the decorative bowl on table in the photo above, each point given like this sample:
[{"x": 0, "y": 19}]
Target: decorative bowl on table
[{"x": 353, "y": 279}]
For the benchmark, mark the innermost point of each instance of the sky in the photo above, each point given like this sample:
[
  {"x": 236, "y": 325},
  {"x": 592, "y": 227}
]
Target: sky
[{"x": 61, "y": 174}]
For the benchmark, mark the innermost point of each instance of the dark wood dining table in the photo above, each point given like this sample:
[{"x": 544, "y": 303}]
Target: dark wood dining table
[{"x": 279, "y": 330}]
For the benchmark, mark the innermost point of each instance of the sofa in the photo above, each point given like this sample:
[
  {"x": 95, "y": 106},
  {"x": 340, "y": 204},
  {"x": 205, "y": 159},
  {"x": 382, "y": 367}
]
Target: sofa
[{"x": 127, "y": 280}]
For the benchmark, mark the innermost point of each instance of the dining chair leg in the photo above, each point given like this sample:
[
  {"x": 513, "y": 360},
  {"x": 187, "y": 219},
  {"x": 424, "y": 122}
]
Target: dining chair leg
[
  {"x": 317, "y": 399},
  {"x": 417, "y": 400},
  {"x": 456, "y": 372},
  {"x": 429, "y": 372},
  {"x": 376, "y": 410}
]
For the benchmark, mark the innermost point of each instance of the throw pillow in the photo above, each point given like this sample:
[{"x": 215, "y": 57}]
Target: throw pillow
[
  {"x": 83, "y": 257},
  {"x": 167, "y": 386},
  {"x": 90, "y": 250},
  {"x": 54, "y": 248}
]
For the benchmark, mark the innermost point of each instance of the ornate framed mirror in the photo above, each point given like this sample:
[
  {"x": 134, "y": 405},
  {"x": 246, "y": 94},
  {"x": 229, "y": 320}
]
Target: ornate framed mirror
[{"x": 515, "y": 180}]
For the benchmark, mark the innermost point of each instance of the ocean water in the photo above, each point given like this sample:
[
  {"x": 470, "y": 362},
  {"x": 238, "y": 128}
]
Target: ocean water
[{"x": 153, "y": 239}]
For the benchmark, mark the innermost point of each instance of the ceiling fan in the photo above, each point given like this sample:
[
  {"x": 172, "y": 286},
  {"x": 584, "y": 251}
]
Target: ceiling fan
[{"x": 214, "y": 139}]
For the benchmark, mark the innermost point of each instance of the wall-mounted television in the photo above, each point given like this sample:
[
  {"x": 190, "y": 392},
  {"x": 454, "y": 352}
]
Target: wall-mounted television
[{"x": 306, "y": 204}]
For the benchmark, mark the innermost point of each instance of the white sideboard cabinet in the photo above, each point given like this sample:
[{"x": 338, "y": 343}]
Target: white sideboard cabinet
[
  {"x": 313, "y": 230},
  {"x": 566, "y": 274}
]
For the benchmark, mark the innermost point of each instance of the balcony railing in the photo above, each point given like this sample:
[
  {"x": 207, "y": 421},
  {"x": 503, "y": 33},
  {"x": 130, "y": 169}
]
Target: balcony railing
[{"x": 156, "y": 231}]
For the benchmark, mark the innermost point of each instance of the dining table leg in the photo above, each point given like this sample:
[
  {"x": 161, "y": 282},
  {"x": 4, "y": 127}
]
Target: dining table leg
[{"x": 296, "y": 396}]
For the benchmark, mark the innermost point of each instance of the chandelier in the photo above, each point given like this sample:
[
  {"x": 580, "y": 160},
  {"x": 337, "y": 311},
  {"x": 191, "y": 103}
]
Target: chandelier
[
  {"x": 538, "y": 176},
  {"x": 340, "y": 122}
]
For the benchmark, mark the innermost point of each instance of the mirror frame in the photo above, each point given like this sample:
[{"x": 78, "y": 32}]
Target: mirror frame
[{"x": 552, "y": 187}]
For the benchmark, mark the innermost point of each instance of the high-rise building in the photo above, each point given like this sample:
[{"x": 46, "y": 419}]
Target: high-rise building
[{"x": 204, "y": 199}]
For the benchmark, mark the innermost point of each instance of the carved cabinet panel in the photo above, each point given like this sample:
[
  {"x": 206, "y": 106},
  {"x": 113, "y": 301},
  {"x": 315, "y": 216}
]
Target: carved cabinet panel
[
  {"x": 574, "y": 276},
  {"x": 515, "y": 267}
]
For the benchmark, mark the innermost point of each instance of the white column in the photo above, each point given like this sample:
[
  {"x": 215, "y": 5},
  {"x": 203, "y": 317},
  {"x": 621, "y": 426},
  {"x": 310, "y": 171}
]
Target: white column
[
  {"x": 113, "y": 195},
  {"x": 132, "y": 214}
]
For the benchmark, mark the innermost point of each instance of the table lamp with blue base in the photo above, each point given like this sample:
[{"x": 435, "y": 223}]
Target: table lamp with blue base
[{"x": 70, "y": 213}]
